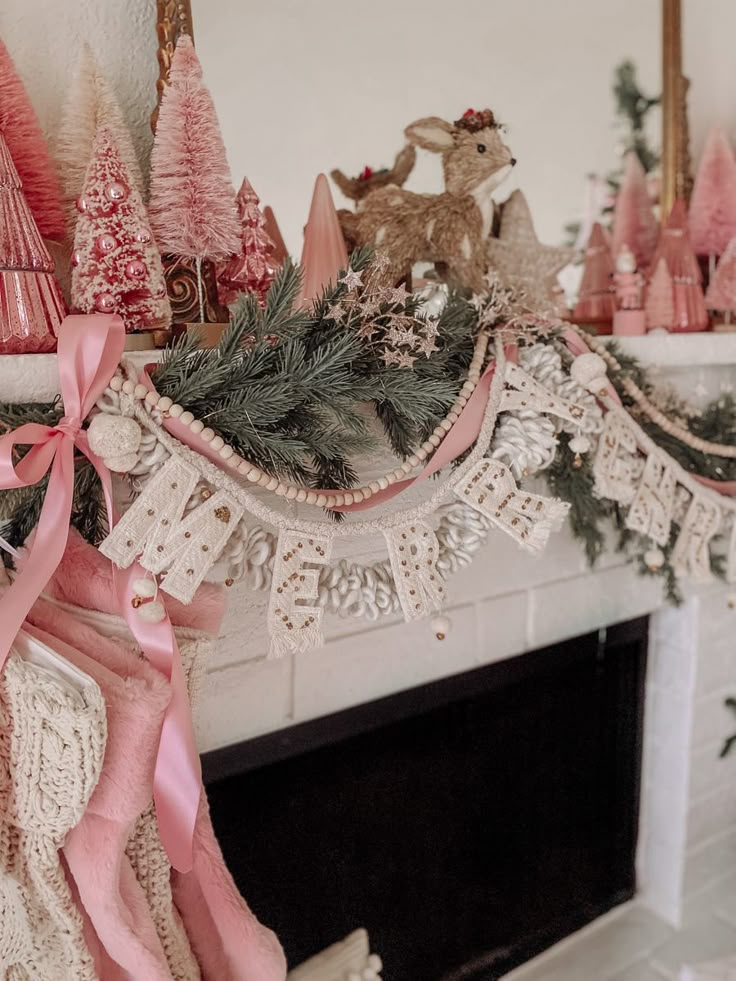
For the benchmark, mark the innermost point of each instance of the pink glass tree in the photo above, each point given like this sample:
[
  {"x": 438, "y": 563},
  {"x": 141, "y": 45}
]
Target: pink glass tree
[
  {"x": 712, "y": 217},
  {"x": 659, "y": 306},
  {"x": 31, "y": 304},
  {"x": 192, "y": 202},
  {"x": 23, "y": 137},
  {"x": 675, "y": 248},
  {"x": 596, "y": 304},
  {"x": 251, "y": 271},
  {"x": 280, "y": 252},
  {"x": 634, "y": 224},
  {"x": 324, "y": 253},
  {"x": 116, "y": 265}
]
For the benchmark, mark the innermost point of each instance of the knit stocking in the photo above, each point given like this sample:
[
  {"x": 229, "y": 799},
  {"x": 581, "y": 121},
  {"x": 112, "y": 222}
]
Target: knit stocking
[
  {"x": 136, "y": 697},
  {"x": 52, "y": 739}
]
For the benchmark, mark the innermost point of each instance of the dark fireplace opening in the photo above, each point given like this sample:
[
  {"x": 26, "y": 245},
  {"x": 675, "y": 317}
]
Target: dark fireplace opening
[{"x": 468, "y": 824}]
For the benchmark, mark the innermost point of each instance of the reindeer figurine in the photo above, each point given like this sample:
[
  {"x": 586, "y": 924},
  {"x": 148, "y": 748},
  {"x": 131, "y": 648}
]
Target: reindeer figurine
[{"x": 447, "y": 229}]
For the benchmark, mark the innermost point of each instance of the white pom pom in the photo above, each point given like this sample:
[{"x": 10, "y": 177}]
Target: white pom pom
[
  {"x": 589, "y": 371},
  {"x": 152, "y": 612},
  {"x": 441, "y": 626},
  {"x": 579, "y": 444},
  {"x": 653, "y": 559},
  {"x": 121, "y": 464},
  {"x": 113, "y": 436},
  {"x": 145, "y": 587},
  {"x": 116, "y": 383},
  {"x": 165, "y": 403},
  {"x": 375, "y": 962}
]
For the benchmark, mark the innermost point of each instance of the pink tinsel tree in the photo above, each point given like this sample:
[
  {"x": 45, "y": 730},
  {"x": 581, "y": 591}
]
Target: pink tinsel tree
[
  {"x": 324, "y": 253},
  {"x": 251, "y": 271},
  {"x": 675, "y": 248},
  {"x": 21, "y": 130},
  {"x": 116, "y": 265},
  {"x": 721, "y": 292},
  {"x": 659, "y": 307},
  {"x": 713, "y": 202},
  {"x": 192, "y": 202},
  {"x": 596, "y": 303},
  {"x": 634, "y": 223}
]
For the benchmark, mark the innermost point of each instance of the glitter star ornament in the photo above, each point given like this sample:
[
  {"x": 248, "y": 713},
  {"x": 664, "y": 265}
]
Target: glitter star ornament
[{"x": 522, "y": 262}]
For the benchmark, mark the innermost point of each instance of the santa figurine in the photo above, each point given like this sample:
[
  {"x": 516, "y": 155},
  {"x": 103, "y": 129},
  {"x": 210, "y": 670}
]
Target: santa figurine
[{"x": 629, "y": 316}]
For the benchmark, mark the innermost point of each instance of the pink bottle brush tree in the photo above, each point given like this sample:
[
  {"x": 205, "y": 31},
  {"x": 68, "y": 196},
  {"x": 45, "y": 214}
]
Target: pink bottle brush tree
[
  {"x": 712, "y": 216},
  {"x": 659, "y": 306},
  {"x": 676, "y": 249},
  {"x": 21, "y": 131},
  {"x": 596, "y": 303},
  {"x": 192, "y": 202},
  {"x": 634, "y": 224},
  {"x": 721, "y": 292},
  {"x": 116, "y": 267},
  {"x": 251, "y": 271}
]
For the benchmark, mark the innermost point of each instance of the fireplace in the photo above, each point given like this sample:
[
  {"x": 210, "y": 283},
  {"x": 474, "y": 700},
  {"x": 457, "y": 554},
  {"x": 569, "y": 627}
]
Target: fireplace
[{"x": 467, "y": 824}]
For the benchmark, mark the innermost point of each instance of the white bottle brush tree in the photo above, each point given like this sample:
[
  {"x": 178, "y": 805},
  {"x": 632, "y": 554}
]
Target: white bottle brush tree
[
  {"x": 192, "y": 200},
  {"x": 116, "y": 267}
]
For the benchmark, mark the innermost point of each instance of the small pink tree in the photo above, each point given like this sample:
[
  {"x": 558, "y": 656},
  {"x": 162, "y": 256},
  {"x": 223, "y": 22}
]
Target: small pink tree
[
  {"x": 21, "y": 130},
  {"x": 675, "y": 248},
  {"x": 253, "y": 269},
  {"x": 116, "y": 265},
  {"x": 192, "y": 202},
  {"x": 324, "y": 253},
  {"x": 634, "y": 223},
  {"x": 721, "y": 292},
  {"x": 280, "y": 252},
  {"x": 659, "y": 306},
  {"x": 713, "y": 202},
  {"x": 596, "y": 303}
]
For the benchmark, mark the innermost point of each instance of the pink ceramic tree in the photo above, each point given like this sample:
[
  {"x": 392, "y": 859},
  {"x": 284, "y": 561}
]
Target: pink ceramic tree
[
  {"x": 324, "y": 253},
  {"x": 31, "y": 305},
  {"x": 659, "y": 307},
  {"x": 596, "y": 303},
  {"x": 116, "y": 265},
  {"x": 21, "y": 130},
  {"x": 675, "y": 247},
  {"x": 721, "y": 292},
  {"x": 192, "y": 202},
  {"x": 713, "y": 203},
  {"x": 253, "y": 269},
  {"x": 634, "y": 224}
]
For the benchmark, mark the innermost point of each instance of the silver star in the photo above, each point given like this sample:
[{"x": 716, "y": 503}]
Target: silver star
[
  {"x": 427, "y": 346},
  {"x": 351, "y": 279},
  {"x": 398, "y": 295},
  {"x": 367, "y": 330},
  {"x": 336, "y": 311},
  {"x": 408, "y": 337},
  {"x": 391, "y": 357}
]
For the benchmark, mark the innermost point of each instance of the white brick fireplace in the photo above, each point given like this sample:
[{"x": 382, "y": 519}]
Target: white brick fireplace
[{"x": 504, "y": 604}]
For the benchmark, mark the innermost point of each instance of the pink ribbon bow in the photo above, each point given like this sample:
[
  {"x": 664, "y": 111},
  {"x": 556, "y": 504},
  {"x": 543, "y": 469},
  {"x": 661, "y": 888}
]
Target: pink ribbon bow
[{"x": 89, "y": 351}]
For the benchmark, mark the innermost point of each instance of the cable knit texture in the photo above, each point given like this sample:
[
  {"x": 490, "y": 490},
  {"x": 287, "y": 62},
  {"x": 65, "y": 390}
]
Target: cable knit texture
[{"x": 52, "y": 740}]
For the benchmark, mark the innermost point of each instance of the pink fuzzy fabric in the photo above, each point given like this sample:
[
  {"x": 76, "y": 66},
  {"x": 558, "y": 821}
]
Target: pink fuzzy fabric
[
  {"x": 22, "y": 132},
  {"x": 135, "y": 697},
  {"x": 192, "y": 201}
]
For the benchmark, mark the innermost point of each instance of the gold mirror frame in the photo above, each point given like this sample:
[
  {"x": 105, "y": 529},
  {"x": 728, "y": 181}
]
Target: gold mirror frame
[{"x": 175, "y": 18}]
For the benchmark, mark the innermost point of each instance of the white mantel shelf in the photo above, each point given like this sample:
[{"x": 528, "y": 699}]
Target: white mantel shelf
[{"x": 35, "y": 378}]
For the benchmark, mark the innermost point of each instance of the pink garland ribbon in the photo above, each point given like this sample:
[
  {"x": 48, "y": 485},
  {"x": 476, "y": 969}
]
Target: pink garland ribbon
[
  {"x": 89, "y": 351},
  {"x": 461, "y": 436}
]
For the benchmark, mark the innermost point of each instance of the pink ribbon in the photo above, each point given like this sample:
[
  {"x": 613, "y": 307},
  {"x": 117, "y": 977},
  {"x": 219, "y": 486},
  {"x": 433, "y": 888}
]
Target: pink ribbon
[
  {"x": 462, "y": 435},
  {"x": 89, "y": 351}
]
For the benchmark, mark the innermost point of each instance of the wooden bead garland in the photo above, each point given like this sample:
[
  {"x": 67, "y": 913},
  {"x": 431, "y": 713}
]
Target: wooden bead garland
[{"x": 293, "y": 492}]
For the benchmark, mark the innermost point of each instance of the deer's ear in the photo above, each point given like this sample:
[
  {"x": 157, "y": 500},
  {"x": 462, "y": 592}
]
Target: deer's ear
[{"x": 433, "y": 134}]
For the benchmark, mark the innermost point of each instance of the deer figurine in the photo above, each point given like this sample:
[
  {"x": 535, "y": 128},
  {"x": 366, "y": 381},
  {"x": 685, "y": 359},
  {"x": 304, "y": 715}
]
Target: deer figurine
[{"x": 448, "y": 229}]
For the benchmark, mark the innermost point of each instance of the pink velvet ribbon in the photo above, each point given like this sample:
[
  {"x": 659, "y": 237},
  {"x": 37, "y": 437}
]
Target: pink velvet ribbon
[
  {"x": 89, "y": 351},
  {"x": 461, "y": 436}
]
